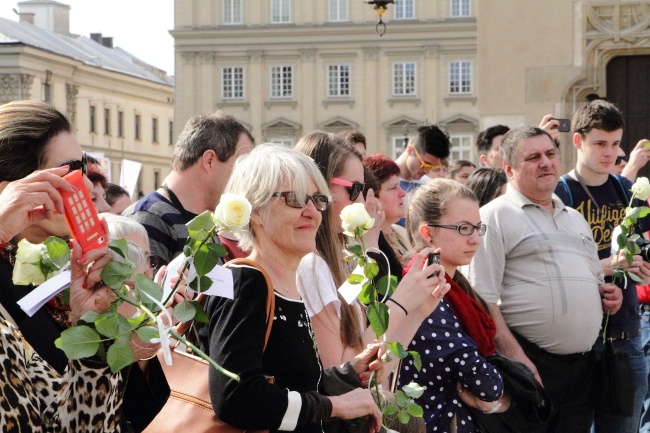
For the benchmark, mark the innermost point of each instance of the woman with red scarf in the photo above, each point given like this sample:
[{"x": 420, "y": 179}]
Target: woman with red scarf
[{"x": 457, "y": 337}]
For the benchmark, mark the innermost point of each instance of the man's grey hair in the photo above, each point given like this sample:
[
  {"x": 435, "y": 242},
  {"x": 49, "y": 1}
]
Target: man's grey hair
[
  {"x": 272, "y": 168},
  {"x": 512, "y": 138},
  {"x": 121, "y": 227}
]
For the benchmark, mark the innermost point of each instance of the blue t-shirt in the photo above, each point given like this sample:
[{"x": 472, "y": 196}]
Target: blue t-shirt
[{"x": 612, "y": 198}]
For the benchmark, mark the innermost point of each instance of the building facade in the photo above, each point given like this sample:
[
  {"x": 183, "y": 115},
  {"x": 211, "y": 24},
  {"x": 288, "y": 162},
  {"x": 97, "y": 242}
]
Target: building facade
[
  {"x": 286, "y": 67},
  {"x": 120, "y": 107}
]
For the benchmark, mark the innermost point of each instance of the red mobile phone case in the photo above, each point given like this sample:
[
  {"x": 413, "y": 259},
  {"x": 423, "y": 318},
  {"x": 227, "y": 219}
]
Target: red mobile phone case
[{"x": 81, "y": 216}]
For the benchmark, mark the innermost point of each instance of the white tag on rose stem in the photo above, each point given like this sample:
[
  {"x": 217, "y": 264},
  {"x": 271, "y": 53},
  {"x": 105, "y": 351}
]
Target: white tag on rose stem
[
  {"x": 222, "y": 283},
  {"x": 350, "y": 292},
  {"x": 38, "y": 297}
]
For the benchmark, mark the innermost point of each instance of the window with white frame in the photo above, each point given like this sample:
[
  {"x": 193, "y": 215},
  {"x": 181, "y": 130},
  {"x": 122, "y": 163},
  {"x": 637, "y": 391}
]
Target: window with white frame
[
  {"x": 338, "y": 10},
  {"x": 232, "y": 11},
  {"x": 281, "y": 82},
  {"x": 405, "y": 9},
  {"x": 404, "y": 79},
  {"x": 460, "y": 77},
  {"x": 232, "y": 82},
  {"x": 460, "y": 8},
  {"x": 398, "y": 145},
  {"x": 280, "y": 11},
  {"x": 461, "y": 147},
  {"x": 338, "y": 80}
]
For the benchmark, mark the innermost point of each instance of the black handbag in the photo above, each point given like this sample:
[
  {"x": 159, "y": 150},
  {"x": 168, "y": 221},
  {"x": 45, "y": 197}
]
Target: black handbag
[
  {"x": 531, "y": 405},
  {"x": 616, "y": 382}
]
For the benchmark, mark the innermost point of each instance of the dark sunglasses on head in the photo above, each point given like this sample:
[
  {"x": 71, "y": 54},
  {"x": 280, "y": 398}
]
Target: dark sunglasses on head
[
  {"x": 291, "y": 199},
  {"x": 619, "y": 159},
  {"x": 77, "y": 164},
  {"x": 354, "y": 188}
]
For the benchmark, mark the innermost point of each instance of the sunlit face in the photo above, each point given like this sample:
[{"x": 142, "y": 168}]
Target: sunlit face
[
  {"x": 391, "y": 197},
  {"x": 456, "y": 249},
  {"x": 420, "y": 163},
  {"x": 463, "y": 174},
  {"x": 288, "y": 230},
  {"x": 61, "y": 148},
  {"x": 98, "y": 196},
  {"x": 493, "y": 158},
  {"x": 537, "y": 168},
  {"x": 143, "y": 245},
  {"x": 598, "y": 149},
  {"x": 352, "y": 172}
]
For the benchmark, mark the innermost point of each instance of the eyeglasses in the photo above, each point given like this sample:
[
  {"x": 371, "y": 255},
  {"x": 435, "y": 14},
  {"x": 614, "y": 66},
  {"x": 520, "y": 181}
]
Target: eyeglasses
[
  {"x": 290, "y": 199},
  {"x": 153, "y": 261},
  {"x": 354, "y": 188},
  {"x": 425, "y": 165},
  {"x": 77, "y": 164},
  {"x": 620, "y": 159},
  {"x": 465, "y": 229}
]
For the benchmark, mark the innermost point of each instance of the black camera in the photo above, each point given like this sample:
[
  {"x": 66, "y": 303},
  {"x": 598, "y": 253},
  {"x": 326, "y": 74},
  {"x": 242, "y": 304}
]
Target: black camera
[
  {"x": 433, "y": 258},
  {"x": 644, "y": 245}
]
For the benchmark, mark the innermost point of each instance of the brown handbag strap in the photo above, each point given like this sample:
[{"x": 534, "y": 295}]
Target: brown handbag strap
[{"x": 182, "y": 328}]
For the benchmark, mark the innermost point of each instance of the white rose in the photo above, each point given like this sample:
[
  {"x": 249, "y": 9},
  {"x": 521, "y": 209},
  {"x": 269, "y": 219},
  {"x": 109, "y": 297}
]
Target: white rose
[
  {"x": 641, "y": 188},
  {"x": 27, "y": 273},
  {"x": 29, "y": 252},
  {"x": 355, "y": 216},
  {"x": 233, "y": 212}
]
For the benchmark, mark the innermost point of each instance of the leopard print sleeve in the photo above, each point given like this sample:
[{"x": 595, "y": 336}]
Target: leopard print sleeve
[{"x": 36, "y": 399}]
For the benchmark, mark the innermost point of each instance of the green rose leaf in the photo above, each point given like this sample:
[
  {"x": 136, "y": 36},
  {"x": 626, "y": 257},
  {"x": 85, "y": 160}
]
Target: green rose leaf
[
  {"x": 137, "y": 321},
  {"x": 378, "y": 317},
  {"x": 403, "y": 417},
  {"x": 120, "y": 247},
  {"x": 383, "y": 286},
  {"x": 119, "y": 355},
  {"x": 201, "y": 315},
  {"x": 355, "y": 249},
  {"x": 200, "y": 228},
  {"x": 78, "y": 342},
  {"x": 397, "y": 349},
  {"x": 390, "y": 410},
  {"x": 184, "y": 311},
  {"x": 90, "y": 317},
  {"x": 145, "y": 285},
  {"x": 146, "y": 333},
  {"x": 356, "y": 279},
  {"x": 634, "y": 277},
  {"x": 415, "y": 410},
  {"x": 401, "y": 398},
  {"x": 201, "y": 284},
  {"x": 206, "y": 258},
  {"x": 413, "y": 390},
  {"x": 367, "y": 294},
  {"x": 417, "y": 361},
  {"x": 115, "y": 274},
  {"x": 371, "y": 270},
  {"x": 108, "y": 325},
  {"x": 57, "y": 251}
]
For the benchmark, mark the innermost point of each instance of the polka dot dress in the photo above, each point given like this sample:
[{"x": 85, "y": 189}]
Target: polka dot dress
[{"x": 448, "y": 356}]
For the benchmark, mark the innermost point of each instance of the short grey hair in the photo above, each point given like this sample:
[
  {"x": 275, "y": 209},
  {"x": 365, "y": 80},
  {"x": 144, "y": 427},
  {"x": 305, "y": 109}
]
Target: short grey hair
[
  {"x": 263, "y": 171},
  {"x": 121, "y": 227},
  {"x": 512, "y": 138}
]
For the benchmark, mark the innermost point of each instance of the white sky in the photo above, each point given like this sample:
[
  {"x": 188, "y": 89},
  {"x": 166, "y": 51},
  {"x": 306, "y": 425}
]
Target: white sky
[{"x": 140, "y": 27}]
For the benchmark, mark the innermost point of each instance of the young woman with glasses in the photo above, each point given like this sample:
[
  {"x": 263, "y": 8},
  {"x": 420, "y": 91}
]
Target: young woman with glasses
[
  {"x": 455, "y": 339},
  {"x": 340, "y": 328}
]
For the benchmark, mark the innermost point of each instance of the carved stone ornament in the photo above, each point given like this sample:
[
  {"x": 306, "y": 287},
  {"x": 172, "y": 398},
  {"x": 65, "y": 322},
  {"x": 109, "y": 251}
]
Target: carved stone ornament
[{"x": 15, "y": 86}]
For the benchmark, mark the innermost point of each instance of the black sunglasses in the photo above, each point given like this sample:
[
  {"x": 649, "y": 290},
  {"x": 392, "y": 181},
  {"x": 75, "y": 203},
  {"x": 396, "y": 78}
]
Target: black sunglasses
[
  {"x": 354, "y": 188},
  {"x": 77, "y": 164},
  {"x": 291, "y": 199},
  {"x": 619, "y": 159}
]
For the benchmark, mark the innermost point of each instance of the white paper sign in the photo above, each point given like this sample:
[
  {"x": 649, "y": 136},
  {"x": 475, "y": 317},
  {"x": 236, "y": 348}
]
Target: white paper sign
[
  {"x": 350, "y": 292},
  {"x": 43, "y": 293},
  {"x": 129, "y": 175},
  {"x": 222, "y": 283}
]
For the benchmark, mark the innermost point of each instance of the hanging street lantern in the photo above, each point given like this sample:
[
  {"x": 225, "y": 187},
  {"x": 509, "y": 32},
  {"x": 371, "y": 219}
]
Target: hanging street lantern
[{"x": 381, "y": 6}]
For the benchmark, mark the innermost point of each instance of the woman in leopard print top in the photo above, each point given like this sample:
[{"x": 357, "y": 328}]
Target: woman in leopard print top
[{"x": 33, "y": 396}]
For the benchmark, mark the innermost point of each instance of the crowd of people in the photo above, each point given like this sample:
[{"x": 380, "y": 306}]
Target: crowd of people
[{"x": 525, "y": 272}]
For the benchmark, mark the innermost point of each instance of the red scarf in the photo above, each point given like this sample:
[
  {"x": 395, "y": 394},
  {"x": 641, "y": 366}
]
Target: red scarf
[{"x": 473, "y": 318}]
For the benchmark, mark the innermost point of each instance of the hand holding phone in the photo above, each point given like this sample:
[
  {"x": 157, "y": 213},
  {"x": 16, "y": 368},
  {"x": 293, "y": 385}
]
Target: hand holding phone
[
  {"x": 564, "y": 126},
  {"x": 81, "y": 216},
  {"x": 431, "y": 259}
]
